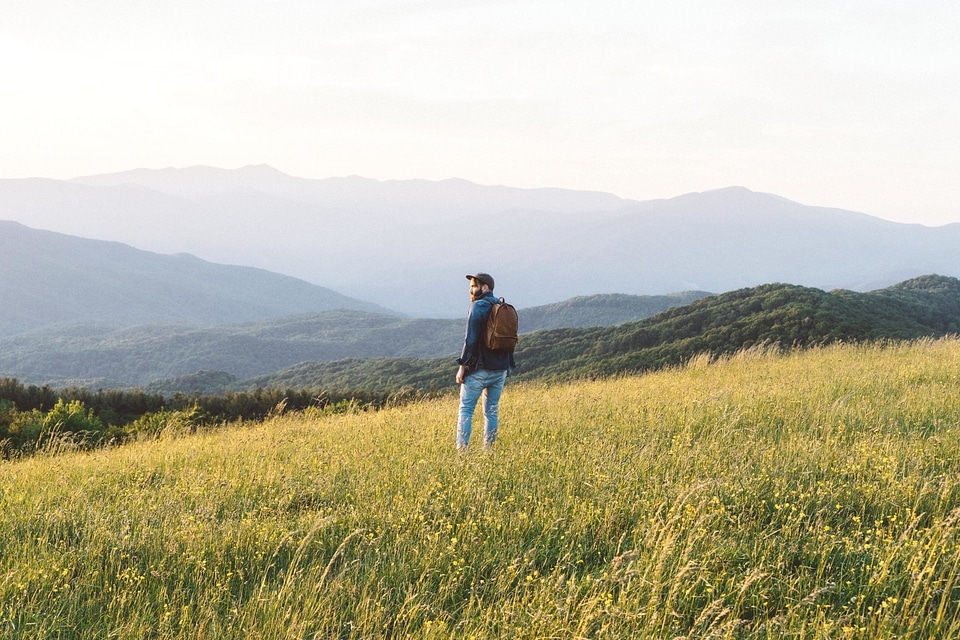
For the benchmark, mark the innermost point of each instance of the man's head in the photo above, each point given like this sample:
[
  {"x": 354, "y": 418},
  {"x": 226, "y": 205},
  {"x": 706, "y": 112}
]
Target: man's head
[{"x": 480, "y": 284}]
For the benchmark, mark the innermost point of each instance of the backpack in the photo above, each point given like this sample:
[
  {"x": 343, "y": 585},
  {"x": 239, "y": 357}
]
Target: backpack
[{"x": 502, "y": 327}]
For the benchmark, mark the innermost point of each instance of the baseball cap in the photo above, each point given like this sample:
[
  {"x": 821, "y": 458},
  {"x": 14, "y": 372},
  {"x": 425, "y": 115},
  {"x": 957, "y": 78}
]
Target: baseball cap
[{"x": 482, "y": 278}]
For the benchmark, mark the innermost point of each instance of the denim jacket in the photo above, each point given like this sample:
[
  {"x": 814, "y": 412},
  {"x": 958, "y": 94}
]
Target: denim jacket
[{"x": 475, "y": 355}]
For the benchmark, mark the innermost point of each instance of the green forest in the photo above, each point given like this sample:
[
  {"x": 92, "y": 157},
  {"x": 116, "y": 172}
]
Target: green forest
[{"x": 776, "y": 315}]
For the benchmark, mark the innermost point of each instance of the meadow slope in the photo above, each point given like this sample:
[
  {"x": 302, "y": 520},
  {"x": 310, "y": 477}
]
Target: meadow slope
[{"x": 812, "y": 494}]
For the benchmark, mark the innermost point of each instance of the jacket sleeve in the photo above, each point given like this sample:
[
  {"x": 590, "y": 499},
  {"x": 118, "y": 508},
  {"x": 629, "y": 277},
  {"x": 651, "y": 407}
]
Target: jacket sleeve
[{"x": 475, "y": 327}]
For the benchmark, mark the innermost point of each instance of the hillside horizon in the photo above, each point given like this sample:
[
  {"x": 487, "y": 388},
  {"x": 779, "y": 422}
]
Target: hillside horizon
[
  {"x": 776, "y": 316},
  {"x": 357, "y": 352},
  {"x": 107, "y": 356}
]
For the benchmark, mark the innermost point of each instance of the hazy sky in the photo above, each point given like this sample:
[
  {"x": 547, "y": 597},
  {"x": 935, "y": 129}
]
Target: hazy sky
[{"x": 845, "y": 103}]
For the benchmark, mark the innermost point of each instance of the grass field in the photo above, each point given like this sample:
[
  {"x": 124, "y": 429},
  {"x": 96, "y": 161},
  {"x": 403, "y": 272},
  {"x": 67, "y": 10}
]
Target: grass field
[{"x": 807, "y": 495}]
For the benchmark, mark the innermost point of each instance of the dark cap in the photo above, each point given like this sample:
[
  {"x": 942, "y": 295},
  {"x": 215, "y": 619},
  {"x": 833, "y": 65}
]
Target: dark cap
[{"x": 483, "y": 278}]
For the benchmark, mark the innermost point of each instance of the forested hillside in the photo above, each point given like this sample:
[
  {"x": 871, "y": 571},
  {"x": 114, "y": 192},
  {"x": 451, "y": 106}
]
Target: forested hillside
[
  {"x": 208, "y": 359},
  {"x": 774, "y": 314},
  {"x": 603, "y": 310}
]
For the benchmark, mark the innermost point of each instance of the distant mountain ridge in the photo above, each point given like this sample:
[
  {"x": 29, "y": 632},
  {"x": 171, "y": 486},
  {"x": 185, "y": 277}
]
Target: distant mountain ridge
[
  {"x": 49, "y": 278},
  {"x": 406, "y": 244},
  {"x": 354, "y": 191}
]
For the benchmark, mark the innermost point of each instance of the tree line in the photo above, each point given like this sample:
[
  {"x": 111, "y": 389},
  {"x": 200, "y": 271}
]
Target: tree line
[{"x": 32, "y": 416}]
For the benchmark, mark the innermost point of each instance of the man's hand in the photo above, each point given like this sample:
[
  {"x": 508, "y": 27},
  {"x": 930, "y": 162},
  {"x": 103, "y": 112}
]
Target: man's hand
[{"x": 461, "y": 372}]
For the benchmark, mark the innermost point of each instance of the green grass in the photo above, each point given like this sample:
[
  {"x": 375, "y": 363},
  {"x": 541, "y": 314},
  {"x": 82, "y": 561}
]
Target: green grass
[{"x": 807, "y": 495}]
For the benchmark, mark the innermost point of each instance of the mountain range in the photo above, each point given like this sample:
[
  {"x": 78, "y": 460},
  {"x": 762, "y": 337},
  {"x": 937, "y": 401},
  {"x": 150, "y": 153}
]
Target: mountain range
[
  {"x": 771, "y": 316},
  {"x": 405, "y": 245},
  {"x": 51, "y": 279},
  {"x": 102, "y": 356}
]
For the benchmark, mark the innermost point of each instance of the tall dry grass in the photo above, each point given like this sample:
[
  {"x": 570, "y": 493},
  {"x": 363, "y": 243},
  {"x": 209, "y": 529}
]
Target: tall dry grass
[{"x": 806, "y": 495}]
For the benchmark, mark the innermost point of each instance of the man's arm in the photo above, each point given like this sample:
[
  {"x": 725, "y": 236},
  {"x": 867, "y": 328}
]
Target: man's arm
[{"x": 471, "y": 342}]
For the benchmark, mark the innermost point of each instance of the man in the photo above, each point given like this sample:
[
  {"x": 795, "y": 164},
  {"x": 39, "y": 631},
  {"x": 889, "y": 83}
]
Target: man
[{"x": 482, "y": 372}]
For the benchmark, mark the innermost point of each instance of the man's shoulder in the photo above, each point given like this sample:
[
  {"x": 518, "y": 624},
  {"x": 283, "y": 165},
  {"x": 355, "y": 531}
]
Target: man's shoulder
[
  {"x": 485, "y": 302},
  {"x": 481, "y": 308}
]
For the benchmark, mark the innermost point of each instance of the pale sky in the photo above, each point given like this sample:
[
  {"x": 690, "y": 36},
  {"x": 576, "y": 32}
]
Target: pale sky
[{"x": 852, "y": 104}]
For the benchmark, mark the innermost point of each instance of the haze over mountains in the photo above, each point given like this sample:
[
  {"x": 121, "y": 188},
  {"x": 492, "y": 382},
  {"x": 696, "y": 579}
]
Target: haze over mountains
[
  {"x": 49, "y": 279},
  {"x": 405, "y": 245}
]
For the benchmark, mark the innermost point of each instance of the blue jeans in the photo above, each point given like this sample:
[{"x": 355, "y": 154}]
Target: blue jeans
[{"x": 489, "y": 384}]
